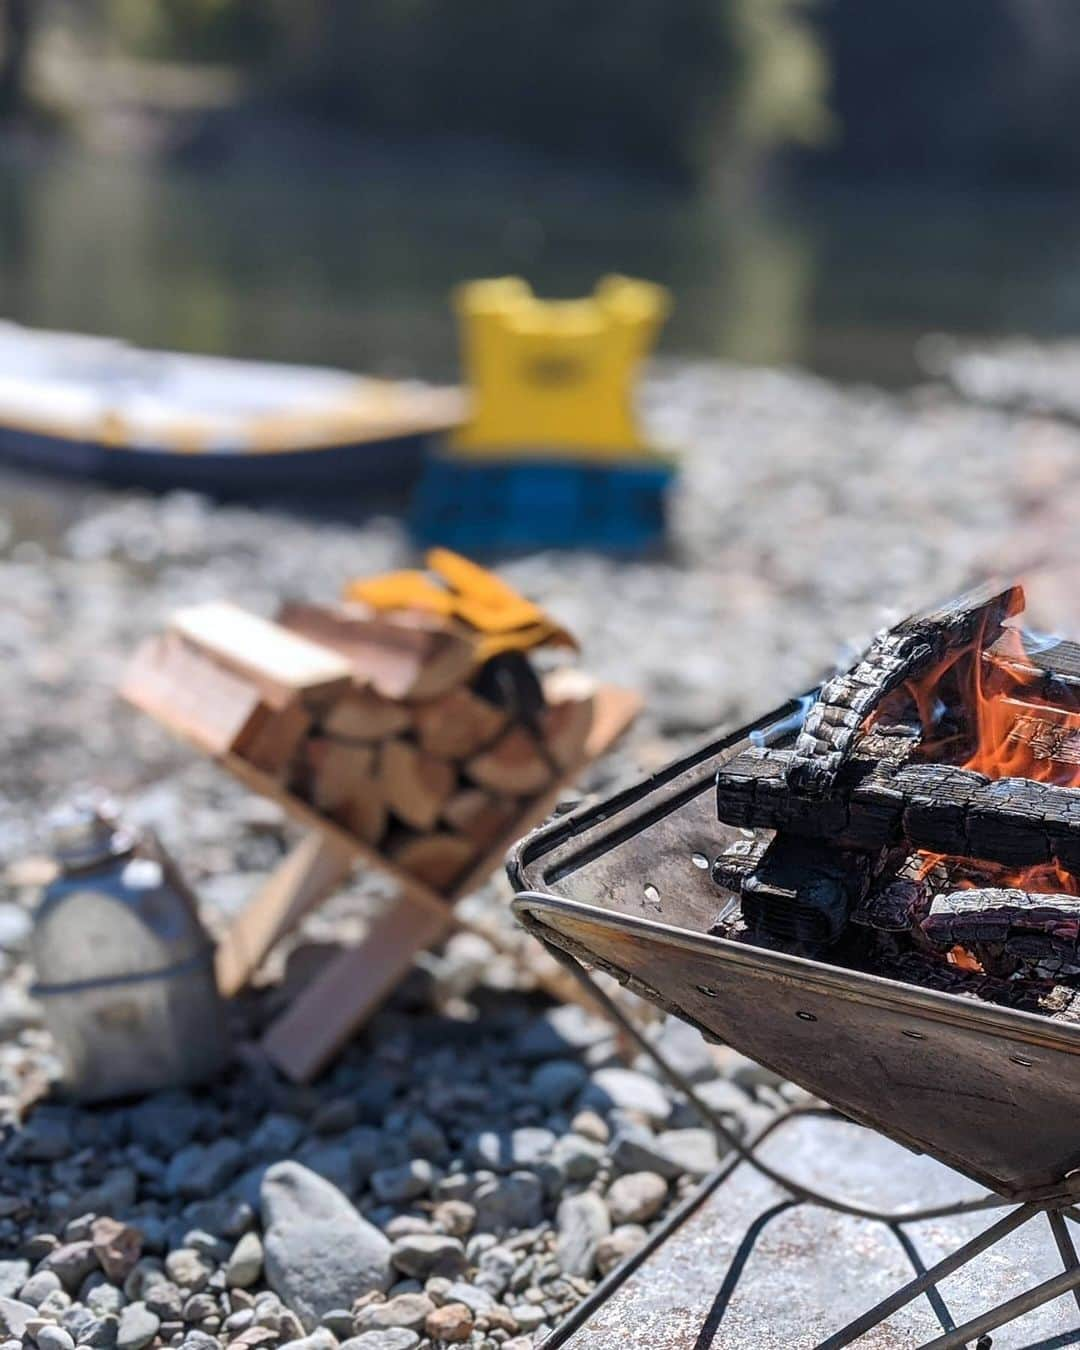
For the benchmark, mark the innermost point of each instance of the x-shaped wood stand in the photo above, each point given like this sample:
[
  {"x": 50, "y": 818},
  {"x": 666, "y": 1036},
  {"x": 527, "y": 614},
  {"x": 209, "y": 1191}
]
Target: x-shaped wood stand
[{"x": 303, "y": 1040}]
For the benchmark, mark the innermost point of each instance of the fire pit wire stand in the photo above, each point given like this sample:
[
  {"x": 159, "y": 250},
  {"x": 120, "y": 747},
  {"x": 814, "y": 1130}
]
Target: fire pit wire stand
[{"x": 953, "y": 1337}]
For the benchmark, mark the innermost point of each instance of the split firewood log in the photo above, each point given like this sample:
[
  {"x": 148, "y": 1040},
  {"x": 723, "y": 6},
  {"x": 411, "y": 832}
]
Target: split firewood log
[
  {"x": 281, "y": 664},
  {"x": 480, "y": 817},
  {"x": 415, "y": 784},
  {"x": 458, "y": 724},
  {"x": 365, "y": 813},
  {"x": 337, "y": 770},
  {"x": 515, "y": 766},
  {"x": 213, "y": 709},
  {"x": 275, "y": 744},
  {"x": 438, "y": 858},
  {"x": 363, "y": 715},
  {"x": 567, "y": 719},
  {"x": 400, "y": 655}
]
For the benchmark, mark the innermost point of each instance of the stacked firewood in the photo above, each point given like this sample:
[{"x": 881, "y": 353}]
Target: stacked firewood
[{"x": 421, "y": 726}]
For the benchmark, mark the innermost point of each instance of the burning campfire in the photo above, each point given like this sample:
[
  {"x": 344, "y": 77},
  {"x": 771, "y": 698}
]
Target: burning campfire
[{"x": 923, "y": 821}]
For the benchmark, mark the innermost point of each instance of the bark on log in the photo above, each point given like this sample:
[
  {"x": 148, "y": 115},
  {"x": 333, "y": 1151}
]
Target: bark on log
[{"x": 905, "y": 652}]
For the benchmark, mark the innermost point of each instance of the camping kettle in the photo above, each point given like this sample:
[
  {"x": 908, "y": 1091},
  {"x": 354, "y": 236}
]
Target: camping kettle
[{"x": 124, "y": 970}]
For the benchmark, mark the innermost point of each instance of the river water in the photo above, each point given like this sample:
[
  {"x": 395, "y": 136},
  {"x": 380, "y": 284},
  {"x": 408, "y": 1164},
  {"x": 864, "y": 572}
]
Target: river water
[{"x": 329, "y": 260}]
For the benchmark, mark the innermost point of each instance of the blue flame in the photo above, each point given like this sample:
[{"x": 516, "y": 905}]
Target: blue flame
[{"x": 760, "y": 737}]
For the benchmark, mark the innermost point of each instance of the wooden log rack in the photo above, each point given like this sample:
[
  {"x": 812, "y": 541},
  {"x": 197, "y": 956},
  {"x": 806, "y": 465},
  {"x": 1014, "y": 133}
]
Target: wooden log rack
[{"x": 446, "y": 838}]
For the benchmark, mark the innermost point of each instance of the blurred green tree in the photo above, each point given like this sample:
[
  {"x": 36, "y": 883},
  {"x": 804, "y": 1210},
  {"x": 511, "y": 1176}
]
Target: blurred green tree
[{"x": 675, "y": 88}]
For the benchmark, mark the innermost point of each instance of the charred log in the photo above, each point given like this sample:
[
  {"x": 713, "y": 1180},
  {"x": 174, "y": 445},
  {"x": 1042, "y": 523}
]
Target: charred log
[
  {"x": 801, "y": 894},
  {"x": 912, "y": 648},
  {"x": 941, "y": 808}
]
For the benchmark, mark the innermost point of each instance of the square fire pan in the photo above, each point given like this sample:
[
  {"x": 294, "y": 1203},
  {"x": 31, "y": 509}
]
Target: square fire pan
[{"x": 625, "y": 885}]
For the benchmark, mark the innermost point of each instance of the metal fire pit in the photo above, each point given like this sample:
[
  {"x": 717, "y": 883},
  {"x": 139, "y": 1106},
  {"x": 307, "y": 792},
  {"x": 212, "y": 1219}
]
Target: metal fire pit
[{"x": 990, "y": 1091}]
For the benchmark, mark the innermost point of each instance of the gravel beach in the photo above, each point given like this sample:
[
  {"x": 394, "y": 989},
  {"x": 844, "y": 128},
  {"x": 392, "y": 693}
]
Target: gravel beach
[{"x": 481, "y": 1158}]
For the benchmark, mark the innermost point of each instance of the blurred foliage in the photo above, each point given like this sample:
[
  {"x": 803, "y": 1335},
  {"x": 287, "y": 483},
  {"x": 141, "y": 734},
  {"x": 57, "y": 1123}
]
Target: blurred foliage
[
  {"x": 674, "y": 87},
  {"x": 194, "y": 30}
]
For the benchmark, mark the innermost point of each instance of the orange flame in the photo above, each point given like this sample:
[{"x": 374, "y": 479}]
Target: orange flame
[{"x": 1007, "y": 730}]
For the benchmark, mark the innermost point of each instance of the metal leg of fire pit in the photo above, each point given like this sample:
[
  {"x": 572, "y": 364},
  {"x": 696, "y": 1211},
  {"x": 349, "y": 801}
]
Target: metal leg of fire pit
[
  {"x": 1066, "y": 1250},
  {"x": 974, "y": 1330}
]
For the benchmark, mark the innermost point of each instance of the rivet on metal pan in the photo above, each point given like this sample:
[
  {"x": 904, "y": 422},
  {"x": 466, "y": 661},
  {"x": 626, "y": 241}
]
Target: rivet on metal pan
[
  {"x": 913, "y": 1035},
  {"x": 1021, "y": 1059},
  {"x": 806, "y": 1017},
  {"x": 704, "y": 989},
  {"x": 699, "y": 860}
]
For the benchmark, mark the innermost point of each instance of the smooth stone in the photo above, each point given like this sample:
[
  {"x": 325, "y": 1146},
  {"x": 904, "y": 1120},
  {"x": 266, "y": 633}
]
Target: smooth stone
[
  {"x": 52, "y": 1337},
  {"x": 245, "y": 1262},
  {"x": 199, "y": 1171},
  {"x": 424, "y": 1254},
  {"x": 14, "y": 1315},
  {"x": 628, "y": 1090},
  {"x": 138, "y": 1327},
  {"x": 554, "y": 1083},
  {"x": 340, "y": 1321},
  {"x": 425, "y": 1138},
  {"x": 564, "y": 1029},
  {"x": 635, "y": 1149},
  {"x": 188, "y": 1269},
  {"x": 507, "y": 1203},
  {"x": 320, "y": 1339},
  {"x": 456, "y": 1217},
  {"x": 331, "y": 1161},
  {"x": 618, "y": 1245},
  {"x": 39, "y": 1286},
  {"x": 47, "y": 1136},
  {"x": 452, "y": 1322},
  {"x": 275, "y": 1136},
  {"x": 200, "y": 1340},
  {"x": 397, "y": 1185},
  {"x": 117, "y": 1247},
  {"x": 165, "y": 1122},
  {"x": 582, "y": 1221},
  {"x": 319, "y": 1253},
  {"x": 13, "y": 1275},
  {"x": 685, "y": 1049},
  {"x": 477, "y": 1300},
  {"x": 505, "y": 1151},
  {"x": 394, "y": 1338},
  {"x": 407, "y": 1310},
  {"x": 693, "y": 1150},
  {"x": 636, "y": 1197},
  {"x": 101, "y": 1297}
]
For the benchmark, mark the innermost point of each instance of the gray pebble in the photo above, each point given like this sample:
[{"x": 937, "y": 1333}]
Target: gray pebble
[
  {"x": 13, "y": 1275},
  {"x": 396, "y": 1338},
  {"x": 554, "y": 1083},
  {"x": 407, "y": 1310},
  {"x": 582, "y": 1222},
  {"x": 421, "y": 1255},
  {"x": 509, "y": 1203},
  {"x": 629, "y": 1090},
  {"x": 138, "y": 1327},
  {"x": 245, "y": 1263},
  {"x": 52, "y": 1337},
  {"x": 319, "y": 1254},
  {"x": 397, "y": 1185},
  {"x": 636, "y": 1197},
  {"x": 188, "y": 1269},
  {"x": 39, "y": 1286}
]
